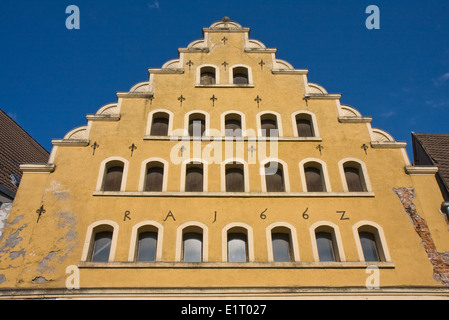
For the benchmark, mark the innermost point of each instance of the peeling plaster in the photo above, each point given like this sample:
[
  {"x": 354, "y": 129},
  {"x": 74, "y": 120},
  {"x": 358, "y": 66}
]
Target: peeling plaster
[
  {"x": 39, "y": 280},
  {"x": 43, "y": 264},
  {"x": 439, "y": 260}
]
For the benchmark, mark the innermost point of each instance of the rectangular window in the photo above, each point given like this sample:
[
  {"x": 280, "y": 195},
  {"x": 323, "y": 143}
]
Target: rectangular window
[
  {"x": 194, "y": 179},
  {"x": 281, "y": 247},
  {"x": 159, "y": 127},
  {"x": 102, "y": 246},
  {"x": 353, "y": 179},
  {"x": 113, "y": 178},
  {"x": 192, "y": 247},
  {"x": 314, "y": 179},
  {"x": 237, "y": 247},
  {"x": 369, "y": 247},
  {"x": 147, "y": 246},
  {"x": 304, "y": 128},
  {"x": 275, "y": 180},
  {"x": 325, "y": 246},
  {"x": 235, "y": 180},
  {"x": 154, "y": 179}
]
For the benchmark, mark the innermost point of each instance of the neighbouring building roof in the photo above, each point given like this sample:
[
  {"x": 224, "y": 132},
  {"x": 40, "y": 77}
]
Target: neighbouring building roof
[
  {"x": 433, "y": 149},
  {"x": 16, "y": 147}
]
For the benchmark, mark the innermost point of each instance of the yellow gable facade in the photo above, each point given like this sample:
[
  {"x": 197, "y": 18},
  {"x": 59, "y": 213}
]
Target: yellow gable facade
[{"x": 226, "y": 174}]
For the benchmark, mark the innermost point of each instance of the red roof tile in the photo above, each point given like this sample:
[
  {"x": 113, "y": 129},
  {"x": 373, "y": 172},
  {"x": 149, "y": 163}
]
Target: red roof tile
[{"x": 16, "y": 147}]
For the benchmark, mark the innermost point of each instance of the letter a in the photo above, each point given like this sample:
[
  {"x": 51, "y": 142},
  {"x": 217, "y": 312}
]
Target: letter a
[
  {"x": 73, "y": 280},
  {"x": 72, "y": 21},
  {"x": 373, "y": 281},
  {"x": 373, "y": 21}
]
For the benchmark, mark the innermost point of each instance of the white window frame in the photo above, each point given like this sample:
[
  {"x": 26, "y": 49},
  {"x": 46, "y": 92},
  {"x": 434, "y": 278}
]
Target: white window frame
[
  {"x": 88, "y": 242},
  {"x": 337, "y": 236},
  {"x": 101, "y": 174},
  {"x": 135, "y": 239},
  {"x": 293, "y": 238},
  {"x": 249, "y": 236}
]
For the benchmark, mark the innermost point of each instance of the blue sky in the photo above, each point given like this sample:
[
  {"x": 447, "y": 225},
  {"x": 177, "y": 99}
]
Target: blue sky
[{"x": 51, "y": 77}]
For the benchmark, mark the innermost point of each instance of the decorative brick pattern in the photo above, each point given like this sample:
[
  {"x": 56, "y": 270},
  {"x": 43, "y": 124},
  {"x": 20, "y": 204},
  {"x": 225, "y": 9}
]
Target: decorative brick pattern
[{"x": 439, "y": 260}]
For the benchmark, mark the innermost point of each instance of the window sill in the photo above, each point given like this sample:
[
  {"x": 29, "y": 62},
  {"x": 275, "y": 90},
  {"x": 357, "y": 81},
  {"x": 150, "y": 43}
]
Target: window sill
[
  {"x": 235, "y": 265},
  {"x": 250, "y": 85},
  {"x": 225, "y": 138},
  {"x": 235, "y": 194}
]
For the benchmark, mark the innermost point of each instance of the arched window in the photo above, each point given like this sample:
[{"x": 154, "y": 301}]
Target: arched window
[
  {"x": 240, "y": 75},
  {"x": 154, "y": 176},
  {"x": 354, "y": 177},
  {"x": 233, "y": 125},
  {"x": 146, "y": 245},
  {"x": 371, "y": 243},
  {"x": 194, "y": 181},
  {"x": 207, "y": 76},
  {"x": 197, "y": 124},
  {"x": 274, "y": 177},
  {"x": 304, "y": 125},
  {"x": 192, "y": 244},
  {"x": 369, "y": 246},
  {"x": 113, "y": 175},
  {"x": 101, "y": 243},
  {"x": 314, "y": 177},
  {"x": 237, "y": 245},
  {"x": 269, "y": 125},
  {"x": 159, "y": 124},
  {"x": 281, "y": 244},
  {"x": 235, "y": 177},
  {"x": 326, "y": 244}
]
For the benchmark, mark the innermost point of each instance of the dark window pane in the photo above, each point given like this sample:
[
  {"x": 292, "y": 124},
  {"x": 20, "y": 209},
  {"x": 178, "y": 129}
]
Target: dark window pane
[
  {"x": 159, "y": 127},
  {"x": 102, "y": 246},
  {"x": 233, "y": 128},
  {"x": 207, "y": 78},
  {"x": 147, "y": 246},
  {"x": 113, "y": 179},
  {"x": 281, "y": 247},
  {"x": 235, "y": 181},
  {"x": 369, "y": 246},
  {"x": 313, "y": 179},
  {"x": 193, "y": 247},
  {"x": 304, "y": 128},
  {"x": 325, "y": 246},
  {"x": 269, "y": 128},
  {"x": 353, "y": 179},
  {"x": 237, "y": 247},
  {"x": 274, "y": 178},
  {"x": 240, "y": 75},
  {"x": 154, "y": 179},
  {"x": 194, "y": 179},
  {"x": 197, "y": 127}
]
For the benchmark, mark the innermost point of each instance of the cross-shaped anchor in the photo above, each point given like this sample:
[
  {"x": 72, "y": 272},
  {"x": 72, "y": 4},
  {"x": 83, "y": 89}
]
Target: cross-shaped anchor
[
  {"x": 320, "y": 147},
  {"x": 258, "y": 99},
  {"x": 261, "y": 64},
  {"x": 181, "y": 99},
  {"x": 225, "y": 64},
  {"x": 252, "y": 149},
  {"x": 365, "y": 147},
  {"x": 213, "y": 100},
  {"x": 39, "y": 212},
  {"x": 132, "y": 148},
  {"x": 190, "y": 64},
  {"x": 95, "y": 146},
  {"x": 224, "y": 40},
  {"x": 182, "y": 150}
]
